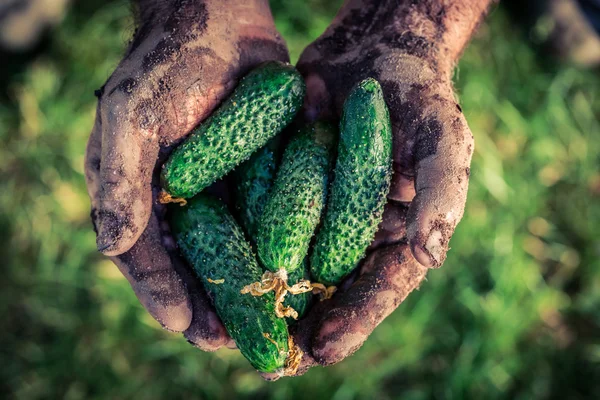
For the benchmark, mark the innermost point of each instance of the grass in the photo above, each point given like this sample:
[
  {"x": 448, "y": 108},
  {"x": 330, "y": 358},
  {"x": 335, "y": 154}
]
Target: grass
[{"x": 514, "y": 313}]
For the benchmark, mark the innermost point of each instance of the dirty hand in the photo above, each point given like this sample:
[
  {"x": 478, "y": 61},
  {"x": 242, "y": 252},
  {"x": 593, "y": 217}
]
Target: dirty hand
[
  {"x": 410, "y": 48},
  {"x": 186, "y": 56}
]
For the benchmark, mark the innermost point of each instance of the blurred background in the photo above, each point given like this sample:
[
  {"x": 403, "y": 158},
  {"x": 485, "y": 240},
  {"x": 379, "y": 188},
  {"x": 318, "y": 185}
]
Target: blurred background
[{"x": 514, "y": 313}]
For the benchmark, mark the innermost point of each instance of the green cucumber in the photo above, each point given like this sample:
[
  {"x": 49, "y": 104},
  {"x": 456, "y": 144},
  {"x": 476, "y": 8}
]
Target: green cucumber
[
  {"x": 297, "y": 198},
  {"x": 358, "y": 192},
  {"x": 214, "y": 245},
  {"x": 264, "y": 102},
  {"x": 254, "y": 179}
]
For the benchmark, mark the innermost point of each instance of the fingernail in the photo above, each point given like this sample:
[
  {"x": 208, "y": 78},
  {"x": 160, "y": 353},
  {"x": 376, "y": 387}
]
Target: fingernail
[
  {"x": 109, "y": 232},
  {"x": 174, "y": 318},
  {"x": 434, "y": 252},
  {"x": 422, "y": 256},
  {"x": 103, "y": 243},
  {"x": 270, "y": 376},
  {"x": 436, "y": 247}
]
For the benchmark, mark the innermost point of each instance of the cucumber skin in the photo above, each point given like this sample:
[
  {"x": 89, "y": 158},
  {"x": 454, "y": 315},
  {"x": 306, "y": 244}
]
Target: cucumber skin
[
  {"x": 358, "y": 192},
  {"x": 264, "y": 102},
  {"x": 212, "y": 242},
  {"x": 297, "y": 199},
  {"x": 254, "y": 180}
]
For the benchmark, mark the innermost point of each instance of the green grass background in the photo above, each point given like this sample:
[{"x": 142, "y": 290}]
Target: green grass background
[{"x": 514, "y": 313}]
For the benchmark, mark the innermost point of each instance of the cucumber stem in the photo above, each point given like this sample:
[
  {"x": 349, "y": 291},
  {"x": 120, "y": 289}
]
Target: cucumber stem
[
  {"x": 277, "y": 282},
  {"x": 166, "y": 198},
  {"x": 292, "y": 362},
  {"x": 325, "y": 292}
]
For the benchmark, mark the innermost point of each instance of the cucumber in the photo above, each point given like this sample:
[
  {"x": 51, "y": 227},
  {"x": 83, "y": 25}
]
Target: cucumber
[
  {"x": 361, "y": 183},
  {"x": 297, "y": 198},
  {"x": 254, "y": 179},
  {"x": 214, "y": 245},
  {"x": 264, "y": 102}
]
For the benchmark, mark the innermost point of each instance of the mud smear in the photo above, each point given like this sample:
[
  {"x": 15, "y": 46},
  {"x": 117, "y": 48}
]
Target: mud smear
[
  {"x": 126, "y": 86},
  {"x": 188, "y": 16},
  {"x": 428, "y": 138}
]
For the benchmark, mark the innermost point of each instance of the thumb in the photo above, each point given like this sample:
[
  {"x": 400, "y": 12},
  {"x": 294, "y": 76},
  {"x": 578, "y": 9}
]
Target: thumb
[
  {"x": 124, "y": 201},
  {"x": 444, "y": 148},
  {"x": 136, "y": 121}
]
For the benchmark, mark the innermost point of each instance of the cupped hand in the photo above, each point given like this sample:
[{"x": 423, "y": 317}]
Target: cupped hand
[
  {"x": 185, "y": 58},
  {"x": 432, "y": 151}
]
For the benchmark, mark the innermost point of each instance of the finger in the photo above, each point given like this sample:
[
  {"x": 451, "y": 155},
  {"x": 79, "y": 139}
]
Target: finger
[
  {"x": 442, "y": 154},
  {"x": 402, "y": 187},
  {"x": 125, "y": 196},
  {"x": 152, "y": 276},
  {"x": 134, "y": 116},
  {"x": 388, "y": 276},
  {"x": 147, "y": 266},
  {"x": 318, "y": 100},
  {"x": 392, "y": 228},
  {"x": 206, "y": 331},
  {"x": 317, "y": 104}
]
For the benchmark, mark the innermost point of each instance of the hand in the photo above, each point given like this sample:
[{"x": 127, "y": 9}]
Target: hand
[
  {"x": 403, "y": 47},
  {"x": 185, "y": 58}
]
